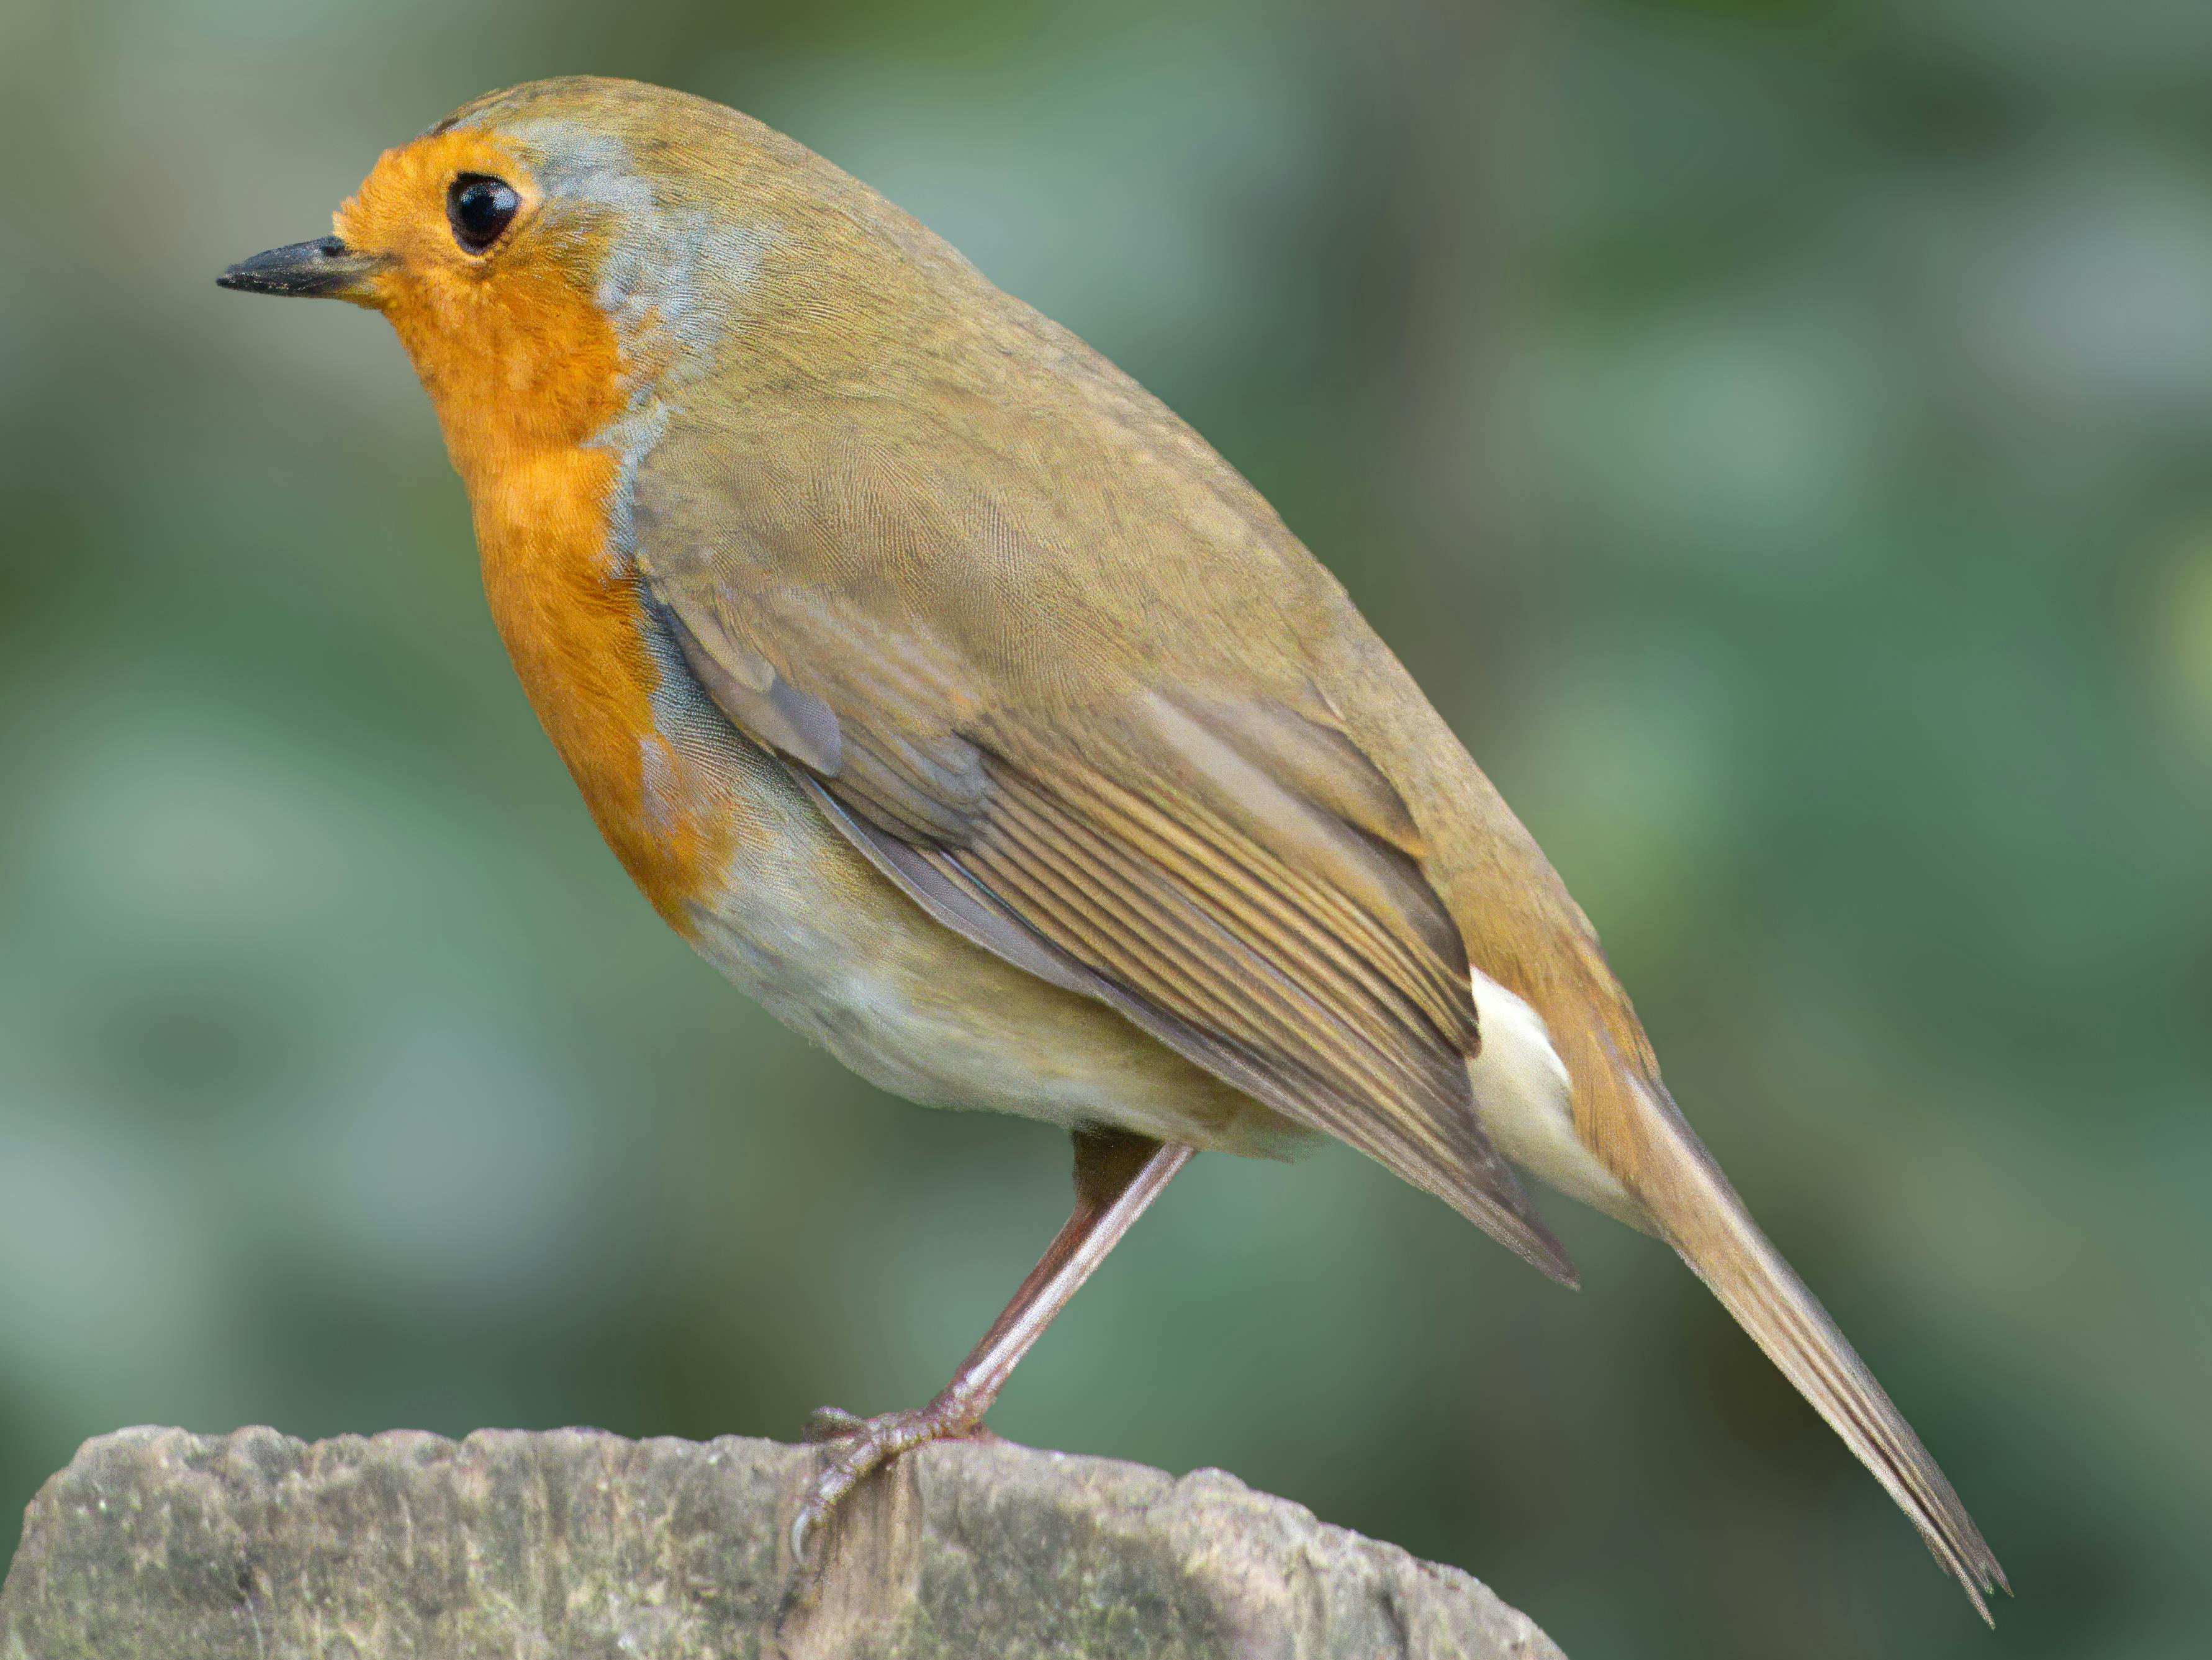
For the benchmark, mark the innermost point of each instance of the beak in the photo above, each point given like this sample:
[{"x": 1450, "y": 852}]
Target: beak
[{"x": 325, "y": 268}]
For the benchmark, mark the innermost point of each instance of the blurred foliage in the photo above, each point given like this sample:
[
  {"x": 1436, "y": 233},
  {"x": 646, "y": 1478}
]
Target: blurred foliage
[{"x": 1776, "y": 434}]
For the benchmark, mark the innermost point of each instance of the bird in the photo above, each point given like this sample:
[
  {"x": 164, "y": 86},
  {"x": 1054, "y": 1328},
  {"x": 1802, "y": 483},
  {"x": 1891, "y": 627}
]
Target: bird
[{"x": 965, "y": 707}]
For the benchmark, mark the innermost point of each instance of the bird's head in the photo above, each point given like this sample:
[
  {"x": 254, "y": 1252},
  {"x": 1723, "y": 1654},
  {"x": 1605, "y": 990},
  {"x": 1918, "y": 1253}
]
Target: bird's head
[{"x": 548, "y": 252}]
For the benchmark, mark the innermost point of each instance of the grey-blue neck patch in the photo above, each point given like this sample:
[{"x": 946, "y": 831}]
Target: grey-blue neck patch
[{"x": 674, "y": 280}]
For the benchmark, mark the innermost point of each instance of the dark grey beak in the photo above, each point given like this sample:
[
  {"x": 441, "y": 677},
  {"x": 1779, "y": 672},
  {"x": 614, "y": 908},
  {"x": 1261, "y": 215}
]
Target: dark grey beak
[{"x": 325, "y": 268}]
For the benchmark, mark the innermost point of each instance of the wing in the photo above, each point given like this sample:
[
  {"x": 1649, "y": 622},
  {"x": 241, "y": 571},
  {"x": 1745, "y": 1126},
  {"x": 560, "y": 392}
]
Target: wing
[{"x": 1051, "y": 769}]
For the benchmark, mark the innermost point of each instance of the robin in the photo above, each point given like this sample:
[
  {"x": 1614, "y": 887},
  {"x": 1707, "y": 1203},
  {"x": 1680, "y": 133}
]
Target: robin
[{"x": 961, "y": 704}]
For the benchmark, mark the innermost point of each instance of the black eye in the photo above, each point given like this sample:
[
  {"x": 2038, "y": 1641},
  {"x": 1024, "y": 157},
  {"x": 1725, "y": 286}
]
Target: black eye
[{"x": 480, "y": 208}]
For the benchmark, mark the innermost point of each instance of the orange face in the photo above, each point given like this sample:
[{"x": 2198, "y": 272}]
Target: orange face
[{"x": 505, "y": 336}]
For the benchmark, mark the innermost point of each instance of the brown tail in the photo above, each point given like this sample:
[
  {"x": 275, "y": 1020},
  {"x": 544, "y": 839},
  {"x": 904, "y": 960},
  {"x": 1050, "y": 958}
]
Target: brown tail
[{"x": 1700, "y": 1215}]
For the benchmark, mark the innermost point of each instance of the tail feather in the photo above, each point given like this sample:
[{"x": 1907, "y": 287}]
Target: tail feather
[{"x": 1700, "y": 1215}]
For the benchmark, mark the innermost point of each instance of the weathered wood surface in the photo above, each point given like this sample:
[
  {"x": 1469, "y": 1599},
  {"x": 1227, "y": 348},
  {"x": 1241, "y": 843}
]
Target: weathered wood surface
[{"x": 159, "y": 1545}]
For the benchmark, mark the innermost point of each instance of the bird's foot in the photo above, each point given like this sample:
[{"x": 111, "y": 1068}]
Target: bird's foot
[{"x": 858, "y": 1447}]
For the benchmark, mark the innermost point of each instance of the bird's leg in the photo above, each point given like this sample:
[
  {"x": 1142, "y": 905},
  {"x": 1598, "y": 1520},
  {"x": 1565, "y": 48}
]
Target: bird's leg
[{"x": 1117, "y": 1174}]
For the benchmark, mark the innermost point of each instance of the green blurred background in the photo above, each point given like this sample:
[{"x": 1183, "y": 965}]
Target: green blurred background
[{"x": 1778, "y": 436}]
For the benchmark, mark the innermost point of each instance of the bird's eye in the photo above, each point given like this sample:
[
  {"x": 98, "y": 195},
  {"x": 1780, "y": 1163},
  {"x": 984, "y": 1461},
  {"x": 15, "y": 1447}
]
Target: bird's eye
[{"x": 480, "y": 208}]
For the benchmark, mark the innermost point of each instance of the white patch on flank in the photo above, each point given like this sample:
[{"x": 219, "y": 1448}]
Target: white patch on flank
[{"x": 1522, "y": 1092}]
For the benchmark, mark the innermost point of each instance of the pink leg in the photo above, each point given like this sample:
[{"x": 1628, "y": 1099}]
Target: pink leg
[{"x": 1116, "y": 1176}]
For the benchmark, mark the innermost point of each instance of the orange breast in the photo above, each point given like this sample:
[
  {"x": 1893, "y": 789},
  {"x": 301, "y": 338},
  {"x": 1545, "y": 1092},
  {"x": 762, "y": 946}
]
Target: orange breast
[{"x": 575, "y": 623}]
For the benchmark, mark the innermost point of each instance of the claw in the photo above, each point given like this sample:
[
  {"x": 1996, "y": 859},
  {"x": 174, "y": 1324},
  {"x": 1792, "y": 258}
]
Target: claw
[
  {"x": 855, "y": 1449},
  {"x": 831, "y": 1483}
]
